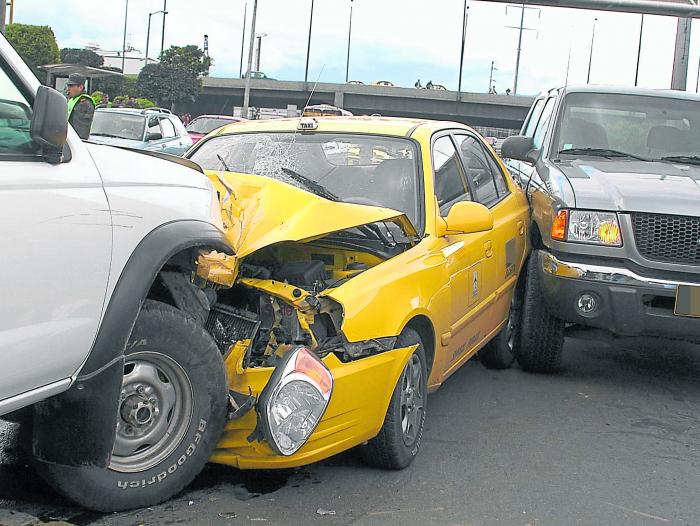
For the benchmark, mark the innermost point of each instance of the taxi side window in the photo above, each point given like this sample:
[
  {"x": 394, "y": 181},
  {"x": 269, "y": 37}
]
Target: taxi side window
[
  {"x": 450, "y": 184},
  {"x": 15, "y": 122},
  {"x": 480, "y": 172},
  {"x": 167, "y": 127}
]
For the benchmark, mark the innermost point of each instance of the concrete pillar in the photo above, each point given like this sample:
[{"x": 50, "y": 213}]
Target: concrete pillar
[
  {"x": 338, "y": 99},
  {"x": 681, "y": 55}
]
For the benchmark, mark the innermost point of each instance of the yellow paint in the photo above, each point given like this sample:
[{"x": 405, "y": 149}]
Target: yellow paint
[{"x": 434, "y": 279}]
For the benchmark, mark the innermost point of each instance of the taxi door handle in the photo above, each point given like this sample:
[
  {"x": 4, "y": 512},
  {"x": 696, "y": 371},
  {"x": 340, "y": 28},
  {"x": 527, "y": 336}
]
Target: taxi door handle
[
  {"x": 521, "y": 228},
  {"x": 488, "y": 249}
]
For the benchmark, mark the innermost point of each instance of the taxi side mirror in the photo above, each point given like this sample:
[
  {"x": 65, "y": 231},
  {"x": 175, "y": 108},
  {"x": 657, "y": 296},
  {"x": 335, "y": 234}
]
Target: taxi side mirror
[{"x": 468, "y": 217}]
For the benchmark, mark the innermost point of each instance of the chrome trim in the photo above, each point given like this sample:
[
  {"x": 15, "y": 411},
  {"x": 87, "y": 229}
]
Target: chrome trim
[
  {"x": 35, "y": 395},
  {"x": 612, "y": 275}
]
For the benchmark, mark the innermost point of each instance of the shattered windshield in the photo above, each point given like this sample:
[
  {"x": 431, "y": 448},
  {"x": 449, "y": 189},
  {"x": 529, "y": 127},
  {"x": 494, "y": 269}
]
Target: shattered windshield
[{"x": 362, "y": 169}]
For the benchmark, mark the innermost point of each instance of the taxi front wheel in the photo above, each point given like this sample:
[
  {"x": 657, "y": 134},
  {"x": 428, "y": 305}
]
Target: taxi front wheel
[{"x": 398, "y": 442}]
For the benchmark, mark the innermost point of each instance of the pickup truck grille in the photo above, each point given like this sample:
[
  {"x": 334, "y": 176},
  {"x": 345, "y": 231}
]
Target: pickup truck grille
[{"x": 668, "y": 238}]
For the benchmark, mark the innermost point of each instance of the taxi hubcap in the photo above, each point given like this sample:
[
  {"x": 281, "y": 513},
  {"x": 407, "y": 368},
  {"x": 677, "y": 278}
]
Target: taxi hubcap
[{"x": 411, "y": 400}]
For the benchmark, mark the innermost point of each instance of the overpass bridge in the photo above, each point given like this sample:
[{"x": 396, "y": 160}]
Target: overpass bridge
[{"x": 220, "y": 95}]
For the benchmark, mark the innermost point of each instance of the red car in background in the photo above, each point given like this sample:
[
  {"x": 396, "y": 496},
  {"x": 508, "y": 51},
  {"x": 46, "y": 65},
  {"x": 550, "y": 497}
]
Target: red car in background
[{"x": 205, "y": 124}]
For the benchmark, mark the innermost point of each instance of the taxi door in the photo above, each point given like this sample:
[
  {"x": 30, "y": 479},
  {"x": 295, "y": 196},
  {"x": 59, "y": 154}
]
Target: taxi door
[{"x": 465, "y": 259}]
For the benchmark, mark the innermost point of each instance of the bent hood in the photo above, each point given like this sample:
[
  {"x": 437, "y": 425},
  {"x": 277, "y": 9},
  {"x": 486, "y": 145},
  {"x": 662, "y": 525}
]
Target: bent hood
[
  {"x": 635, "y": 186},
  {"x": 260, "y": 211}
]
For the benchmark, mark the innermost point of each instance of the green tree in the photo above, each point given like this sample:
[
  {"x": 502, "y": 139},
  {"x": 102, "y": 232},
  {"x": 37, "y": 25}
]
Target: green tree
[
  {"x": 168, "y": 84},
  {"x": 86, "y": 57},
  {"x": 112, "y": 86},
  {"x": 35, "y": 44},
  {"x": 190, "y": 58}
]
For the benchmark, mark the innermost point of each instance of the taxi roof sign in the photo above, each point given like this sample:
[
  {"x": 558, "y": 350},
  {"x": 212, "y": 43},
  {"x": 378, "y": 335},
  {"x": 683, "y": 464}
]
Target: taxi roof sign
[{"x": 307, "y": 124}]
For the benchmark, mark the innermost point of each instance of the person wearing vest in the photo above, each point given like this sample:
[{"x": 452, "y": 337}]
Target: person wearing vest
[{"x": 81, "y": 107}]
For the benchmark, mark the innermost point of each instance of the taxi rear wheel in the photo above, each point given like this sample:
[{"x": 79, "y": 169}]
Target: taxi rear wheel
[
  {"x": 398, "y": 442},
  {"x": 499, "y": 353}
]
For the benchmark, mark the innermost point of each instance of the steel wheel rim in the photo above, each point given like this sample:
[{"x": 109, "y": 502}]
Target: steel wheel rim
[
  {"x": 511, "y": 325},
  {"x": 155, "y": 410},
  {"x": 412, "y": 395}
]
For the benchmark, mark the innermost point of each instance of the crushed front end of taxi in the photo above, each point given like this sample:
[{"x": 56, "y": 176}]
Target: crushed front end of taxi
[{"x": 300, "y": 390}]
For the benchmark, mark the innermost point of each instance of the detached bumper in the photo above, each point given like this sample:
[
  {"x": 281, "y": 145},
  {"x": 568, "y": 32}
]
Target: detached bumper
[
  {"x": 626, "y": 303},
  {"x": 361, "y": 393}
]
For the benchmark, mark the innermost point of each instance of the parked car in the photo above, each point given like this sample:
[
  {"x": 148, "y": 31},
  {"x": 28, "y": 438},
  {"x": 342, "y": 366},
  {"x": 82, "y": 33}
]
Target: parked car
[
  {"x": 613, "y": 176},
  {"x": 325, "y": 110},
  {"x": 385, "y": 83},
  {"x": 154, "y": 129},
  {"x": 204, "y": 124},
  {"x": 258, "y": 75},
  {"x": 438, "y": 87},
  {"x": 119, "y": 391},
  {"x": 375, "y": 255},
  {"x": 356, "y": 82}
]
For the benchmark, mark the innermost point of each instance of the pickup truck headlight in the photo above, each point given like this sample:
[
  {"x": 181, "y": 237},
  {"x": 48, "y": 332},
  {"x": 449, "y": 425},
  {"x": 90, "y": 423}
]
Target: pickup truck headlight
[
  {"x": 294, "y": 400},
  {"x": 587, "y": 226}
]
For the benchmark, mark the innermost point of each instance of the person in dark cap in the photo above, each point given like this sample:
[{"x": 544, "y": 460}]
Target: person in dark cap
[{"x": 81, "y": 107}]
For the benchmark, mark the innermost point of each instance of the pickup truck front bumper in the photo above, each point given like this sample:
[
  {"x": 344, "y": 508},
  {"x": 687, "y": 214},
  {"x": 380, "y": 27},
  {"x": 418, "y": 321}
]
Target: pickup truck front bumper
[{"x": 614, "y": 298}]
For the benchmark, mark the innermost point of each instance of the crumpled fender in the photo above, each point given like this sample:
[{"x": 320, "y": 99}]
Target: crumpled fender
[{"x": 361, "y": 394}]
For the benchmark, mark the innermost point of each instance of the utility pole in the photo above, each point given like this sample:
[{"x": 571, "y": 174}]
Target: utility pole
[
  {"x": 3, "y": 12},
  {"x": 465, "y": 19},
  {"x": 639, "y": 50},
  {"x": 251, "y": 44},
  {"x": 12, "y": 11},
  {"x": 162, "y": 36},
  {"x": 126, "y": 16},
  {"x": 245, "y": 15},
  {"x": 308, "y": 45},
  {"x": 347, "y": 60},
  {"x": 520, "y": 29},
  {"x": 680, "y": 58},
  {"x": 257, "y": 55},
  {"x": 590, "y": 56},
  {"x": 491, "y": 81}
]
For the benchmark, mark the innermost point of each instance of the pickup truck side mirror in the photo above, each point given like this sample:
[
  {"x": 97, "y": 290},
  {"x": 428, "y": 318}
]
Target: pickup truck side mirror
[
  {"x": 468, "y": 217},
  {"x": 49, "y": 125},
  {"x": 156, "y": 136},
  {"x": 520, "y": 148}
]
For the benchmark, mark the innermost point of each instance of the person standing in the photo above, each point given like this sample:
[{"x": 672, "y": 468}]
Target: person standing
[{"x": 81, "y": 107}]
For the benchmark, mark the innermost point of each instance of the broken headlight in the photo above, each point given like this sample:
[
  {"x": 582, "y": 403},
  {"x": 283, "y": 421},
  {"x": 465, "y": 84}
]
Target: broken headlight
[{"x": 294, "y": 400}]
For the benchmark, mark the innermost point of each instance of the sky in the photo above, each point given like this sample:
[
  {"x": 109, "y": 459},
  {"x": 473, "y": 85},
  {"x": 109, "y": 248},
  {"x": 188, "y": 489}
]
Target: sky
[{"x": 396, "y": 40}]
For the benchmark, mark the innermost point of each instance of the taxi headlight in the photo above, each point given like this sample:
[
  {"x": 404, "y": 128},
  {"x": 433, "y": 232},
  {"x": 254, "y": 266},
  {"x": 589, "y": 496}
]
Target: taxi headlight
[{"x": 294, "y": 400}]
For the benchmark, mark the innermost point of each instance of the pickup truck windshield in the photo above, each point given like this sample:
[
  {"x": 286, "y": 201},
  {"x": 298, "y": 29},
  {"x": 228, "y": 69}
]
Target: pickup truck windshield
[
  {"x": 362, "y": 169},
  {"x": 642, "y": 126}
]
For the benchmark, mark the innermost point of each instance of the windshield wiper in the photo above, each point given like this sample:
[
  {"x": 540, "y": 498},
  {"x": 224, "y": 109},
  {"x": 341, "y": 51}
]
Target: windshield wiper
[
  {"x": 600, "y": 152},
  {"x": 310, "y": 184},
  {"x": 223, "y": 163},
  {"x": 109, "y": 135},
  {"x": 688, "y": 159}
]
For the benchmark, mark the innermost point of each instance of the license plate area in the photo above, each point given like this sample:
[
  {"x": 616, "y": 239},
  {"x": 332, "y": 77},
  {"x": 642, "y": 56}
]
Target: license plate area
[{"x": 688, "y": 301}]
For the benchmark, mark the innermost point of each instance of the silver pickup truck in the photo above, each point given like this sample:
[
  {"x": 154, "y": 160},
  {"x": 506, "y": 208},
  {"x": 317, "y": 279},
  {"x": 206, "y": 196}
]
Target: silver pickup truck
[{"x": 613, "y": 179}]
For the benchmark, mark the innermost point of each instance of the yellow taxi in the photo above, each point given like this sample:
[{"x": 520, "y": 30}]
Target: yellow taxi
[{"x": 373, "y": 257}]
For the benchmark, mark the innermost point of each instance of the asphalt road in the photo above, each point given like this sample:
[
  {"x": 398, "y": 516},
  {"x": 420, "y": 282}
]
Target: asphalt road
[{"x": 614, "y": 439}]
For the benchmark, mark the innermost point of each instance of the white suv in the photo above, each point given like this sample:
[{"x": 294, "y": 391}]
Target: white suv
[{"x": 104, "y": 359}]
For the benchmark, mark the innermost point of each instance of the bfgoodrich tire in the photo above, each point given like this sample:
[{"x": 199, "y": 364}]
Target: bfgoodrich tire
[
  {"x": 540, "y": 342},
  {"x": 172, "y": 413},
  {"x": 398, "y": 442}
]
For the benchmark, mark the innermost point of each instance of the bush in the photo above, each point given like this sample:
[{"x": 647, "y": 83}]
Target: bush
[
  {"x": 142, "y": 103},
  {"x": 97, "y": 97}
]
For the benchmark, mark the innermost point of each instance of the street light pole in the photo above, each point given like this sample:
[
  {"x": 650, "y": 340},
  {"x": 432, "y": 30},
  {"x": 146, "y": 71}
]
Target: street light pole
[
  {"x": 246, "y": 94},
  {"x": 126, "y": 16},
  {"x": 245, "y": 16},
  {"x": 3, "y": 11},
  {"x": 590, "y": 56},
  {"x": 162, "y": 36},
  {"x": 347, "y": 60},
  {"x": 639, "y": 50},
  {"x": 257, "y": 55},
  {"x": 465, "y": 19},
  {"x": 308, "y": 45},
  {"x": 148, "y": 31},
  {"x": 493, "y": 67}
]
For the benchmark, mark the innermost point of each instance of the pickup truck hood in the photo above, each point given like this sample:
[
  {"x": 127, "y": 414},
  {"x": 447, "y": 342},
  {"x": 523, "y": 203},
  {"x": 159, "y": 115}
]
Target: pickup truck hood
[
  {"x": 260, "y": 211},
  {"x": 635, "y": 186}
]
